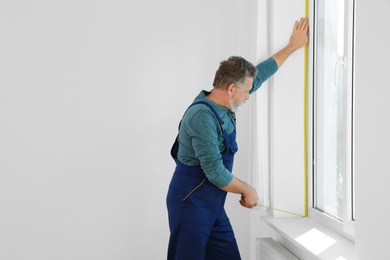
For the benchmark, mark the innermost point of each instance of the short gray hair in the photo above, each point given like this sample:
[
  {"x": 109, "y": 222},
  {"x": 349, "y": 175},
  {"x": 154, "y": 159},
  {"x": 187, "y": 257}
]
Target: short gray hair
[{"x": 232, "y": 71}]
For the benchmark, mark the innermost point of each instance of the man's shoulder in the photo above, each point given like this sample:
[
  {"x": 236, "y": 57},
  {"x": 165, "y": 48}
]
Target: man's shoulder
[{"x": 199, "y": 111}]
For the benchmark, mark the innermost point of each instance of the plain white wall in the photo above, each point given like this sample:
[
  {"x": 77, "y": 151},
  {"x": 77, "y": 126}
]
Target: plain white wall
[
  {"x": 91, "y": 93},
  {"x": 372, "y": 130},
  {"x": 280, "y": 101},
  {"x": 287, "y": 113}
]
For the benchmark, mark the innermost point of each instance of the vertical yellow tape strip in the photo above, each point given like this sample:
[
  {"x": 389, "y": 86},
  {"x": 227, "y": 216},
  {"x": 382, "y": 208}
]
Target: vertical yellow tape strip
[{"x": 305, "y": 139}]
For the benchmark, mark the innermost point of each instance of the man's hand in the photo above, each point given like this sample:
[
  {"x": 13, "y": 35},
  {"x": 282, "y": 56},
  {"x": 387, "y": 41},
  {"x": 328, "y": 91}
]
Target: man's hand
[
  {"x": 299, "y": 36},
  {"x": 248, "y": 194},
  {"x": 298, "y": 39},
  {"x": 249, "y": 199}
]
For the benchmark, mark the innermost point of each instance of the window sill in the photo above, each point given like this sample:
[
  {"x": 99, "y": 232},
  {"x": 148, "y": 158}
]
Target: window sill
[{"x": 307, "y": 239}]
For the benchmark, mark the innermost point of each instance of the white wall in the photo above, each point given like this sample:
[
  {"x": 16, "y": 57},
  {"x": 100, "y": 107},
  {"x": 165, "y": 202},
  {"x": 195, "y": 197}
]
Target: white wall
[
  {"x": 91, "y": 93},
  {"x": 372, "y": 130},
  {"x": 280, "y": 102},
  {"x": 287, "y": 113}
]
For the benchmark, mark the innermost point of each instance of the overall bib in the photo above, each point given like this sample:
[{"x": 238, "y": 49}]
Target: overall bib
[{"x": 200, "y": 228}]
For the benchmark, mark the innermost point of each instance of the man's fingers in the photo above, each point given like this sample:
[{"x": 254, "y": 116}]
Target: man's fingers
[{"x": 303, "y": 24}]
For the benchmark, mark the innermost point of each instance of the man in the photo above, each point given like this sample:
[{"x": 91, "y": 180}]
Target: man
[{"x": 204, "y": 151}]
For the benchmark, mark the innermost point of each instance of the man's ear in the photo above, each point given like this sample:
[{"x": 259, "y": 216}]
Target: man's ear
[{"x": 231, "y": 89}]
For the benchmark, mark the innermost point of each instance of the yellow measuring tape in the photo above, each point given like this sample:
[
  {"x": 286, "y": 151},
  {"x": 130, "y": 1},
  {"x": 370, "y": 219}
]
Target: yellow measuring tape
[
  {"x": 284, "y": 211},
  {"x": 305, "y": 125}
]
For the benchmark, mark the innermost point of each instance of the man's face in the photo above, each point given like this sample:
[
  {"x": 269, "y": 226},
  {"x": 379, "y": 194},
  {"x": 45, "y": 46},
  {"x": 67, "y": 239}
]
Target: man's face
[{"x": 241, "y": 94}]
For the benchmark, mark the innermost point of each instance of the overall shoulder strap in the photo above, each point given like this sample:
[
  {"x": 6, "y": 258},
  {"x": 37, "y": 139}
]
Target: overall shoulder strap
[
  {"x": 175, "y": 146},
  {"x": 211, "y": 108}
]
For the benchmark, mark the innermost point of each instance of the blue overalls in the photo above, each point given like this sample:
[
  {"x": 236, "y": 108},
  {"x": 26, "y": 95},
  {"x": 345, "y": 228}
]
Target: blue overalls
[{"x": 200, "y": 228}]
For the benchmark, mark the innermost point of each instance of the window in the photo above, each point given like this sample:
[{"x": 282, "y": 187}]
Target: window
[{"x": 333, "y": 110}]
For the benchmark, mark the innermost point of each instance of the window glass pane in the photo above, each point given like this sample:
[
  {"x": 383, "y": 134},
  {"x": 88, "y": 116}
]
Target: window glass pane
[{"x": 329, "y": 113}]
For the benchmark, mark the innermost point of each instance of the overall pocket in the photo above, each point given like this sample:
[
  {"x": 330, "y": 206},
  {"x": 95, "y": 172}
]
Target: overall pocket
[{"x": 194, "y": 189}]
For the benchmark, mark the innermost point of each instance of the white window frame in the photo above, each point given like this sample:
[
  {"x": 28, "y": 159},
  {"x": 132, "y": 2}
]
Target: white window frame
[{"x": 347, "y": 226}]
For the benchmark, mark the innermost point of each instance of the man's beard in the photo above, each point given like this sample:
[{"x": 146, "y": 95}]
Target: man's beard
[{"x": 236, "y": 107}]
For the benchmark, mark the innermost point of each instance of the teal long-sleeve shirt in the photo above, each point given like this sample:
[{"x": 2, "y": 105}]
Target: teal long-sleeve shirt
[{"x": 200, "y": 136}]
